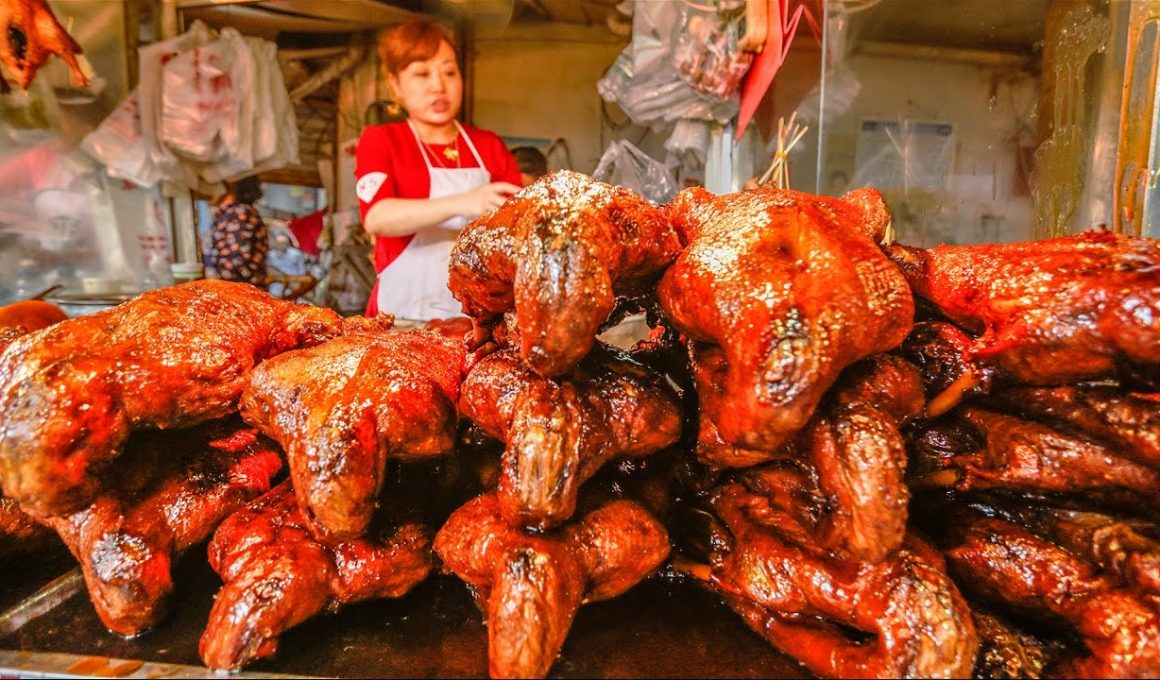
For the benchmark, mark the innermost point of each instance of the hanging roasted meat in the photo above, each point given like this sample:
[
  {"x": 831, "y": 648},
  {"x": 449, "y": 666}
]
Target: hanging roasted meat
[
  {"x": 975, "y": 448},
  {"x": 71, "y": 394},
  {"x": 559, "y": 432},
  {"x": 901, "y": 617},
  {"x": 32, "y": 34},
  {"x": 778, "y": 291},
  {"x": 1049, "y": 312},
  {"x": 168, "y": 494},
  {"x": 277, "y": 575},
  {"x": 1008, "y": 564},
  {"x": 530, "y": 585},
  {"x": 842, "y": 477},
  {"x": 559, "y": 253},
  {"x": 342, "y": 408}
]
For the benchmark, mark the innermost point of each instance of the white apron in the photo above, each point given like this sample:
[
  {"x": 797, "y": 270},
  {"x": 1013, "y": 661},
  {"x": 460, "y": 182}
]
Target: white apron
[{"x": 414, "y": 285}]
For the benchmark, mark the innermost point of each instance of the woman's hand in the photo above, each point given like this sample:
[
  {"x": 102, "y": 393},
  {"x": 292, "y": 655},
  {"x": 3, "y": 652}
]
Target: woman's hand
[{"x": 485, "y": 198}]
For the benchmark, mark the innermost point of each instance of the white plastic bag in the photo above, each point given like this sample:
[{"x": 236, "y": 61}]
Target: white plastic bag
[
  {"x": 625, "y": 165},
  {"x": 119, "y": 145}
]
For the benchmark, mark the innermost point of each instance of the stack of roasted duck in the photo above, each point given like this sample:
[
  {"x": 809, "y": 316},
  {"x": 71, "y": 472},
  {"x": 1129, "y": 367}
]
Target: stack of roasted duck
[{"x": 781, "y": 413}]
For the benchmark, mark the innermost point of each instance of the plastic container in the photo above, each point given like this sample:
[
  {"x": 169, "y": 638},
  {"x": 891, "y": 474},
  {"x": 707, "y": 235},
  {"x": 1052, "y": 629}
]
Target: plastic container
[{"x": 187, "y": 271}]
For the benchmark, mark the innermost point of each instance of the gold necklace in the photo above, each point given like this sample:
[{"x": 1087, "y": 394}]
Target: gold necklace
[{"x": 450, "y": 152}]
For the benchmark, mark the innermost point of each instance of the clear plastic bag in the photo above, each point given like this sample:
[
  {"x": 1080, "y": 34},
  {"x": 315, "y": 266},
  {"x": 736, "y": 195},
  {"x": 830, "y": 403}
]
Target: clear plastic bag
[{"x": 625, "y": 165}]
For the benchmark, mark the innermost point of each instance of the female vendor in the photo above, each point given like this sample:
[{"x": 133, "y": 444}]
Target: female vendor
[{"x": 420, "y": 180}]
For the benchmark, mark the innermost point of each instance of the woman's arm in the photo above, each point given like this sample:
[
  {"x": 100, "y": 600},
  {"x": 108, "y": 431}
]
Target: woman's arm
[{"x": 402, "y": 216}]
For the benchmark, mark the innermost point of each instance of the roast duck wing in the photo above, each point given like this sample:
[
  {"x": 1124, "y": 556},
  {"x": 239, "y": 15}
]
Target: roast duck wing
[
  {"x": 342, "y": 408},
  {"x": 71, "y": 394},
  {"x": 1082, "y": 569},
  {"x": 168, "y": 494},
  {"x": 900, "y": 617},
  {"x": 559, "y": 253},
  {"x": 559, "y": 432},
  {"x": 531, "y": 585},
  {"x": 32, "y": 34},
  {"x": 277, "y": 575},
  {"x": 778, "y": 291},
  {"x": 1049, "y": 312}
]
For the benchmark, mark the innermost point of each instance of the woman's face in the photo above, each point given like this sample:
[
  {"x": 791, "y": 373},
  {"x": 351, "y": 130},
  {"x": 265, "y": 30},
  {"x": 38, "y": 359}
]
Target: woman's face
[{"x": 431, "y": 91}]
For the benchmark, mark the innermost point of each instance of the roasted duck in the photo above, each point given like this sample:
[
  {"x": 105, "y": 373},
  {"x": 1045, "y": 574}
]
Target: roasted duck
[
  {"x": 19, "y": 532},
  {"x": 31, "y": 315},
  {"x": 342, "y": 408},
  {"x": 530, "y": 585},
  {"x": 778, "y": 291},
  {"x": 1008, "y": 564},
  {"x": 277, "y": 575},
  {"x": 32, "y": 34},
  {"x": 1006, "y": 651},
  {"x": 842, "y": 477},
  {"x": 901, "y": 617},
  {"x": 165, "y": 497},
  {"x": 559, "y": 432},
  {"x": 559, "y": 253},
  {"x": 975, "y": 448},
  {"x": 1049, "y": 312},
  {"x": 71, "y": 394}
]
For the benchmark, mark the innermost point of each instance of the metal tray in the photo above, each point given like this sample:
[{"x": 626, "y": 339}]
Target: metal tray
[{"x": 661, "y": 628}]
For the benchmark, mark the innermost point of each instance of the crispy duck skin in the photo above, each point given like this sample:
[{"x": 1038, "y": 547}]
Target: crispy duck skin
[
  {"x": 340, "y": 409},
  {"x": 1123, "y": 547},
  {"x": 1129, "y": 423},
  {"x": 842, "y": 478},
  {"x": 1048, "y": 312},
  {"x": 31, "y": 35},
  {"x": 71, "y": 394},
  {"x": 19, "y": 532},
  {"x": 559, "y": 253},
  {"x": 778, "y": 292},
  {"x": 1009, "y": 564},
  {"x": 1006, "y": 651},
  {"x": 908, "y": 617},
  {"x": 559, "y": 432},
  {"x": 982, "y": 449},
  {"x": 30, "y": 315},
  {"x": 277, "y": 575},
  {"x": 171, "y": 492},
  {"x": 530, "y": 585}
]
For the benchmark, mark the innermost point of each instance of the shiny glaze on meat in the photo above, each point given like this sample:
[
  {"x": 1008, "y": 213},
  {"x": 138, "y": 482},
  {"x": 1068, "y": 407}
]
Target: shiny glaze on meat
[
  {"x": 559, "y": 252},
  {"x": 530, "y": 585},
  {"x": 559, "y": 432},
  {"x": 778, "y": 292},
  {"x": 342, "y": 408},
  {"x": 1048, "y": 312},
  {"x": 277, "y": 575},
  {"x": 900, "y": 617},
  {"x": 168, "y": 494},
  {"x": 71, "y": 393}
]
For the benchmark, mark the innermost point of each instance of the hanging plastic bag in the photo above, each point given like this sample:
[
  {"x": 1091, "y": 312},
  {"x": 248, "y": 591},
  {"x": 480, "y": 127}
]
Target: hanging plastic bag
[
  {"x": 625, "y": 165},
  {"x": 119, "y": 145}
]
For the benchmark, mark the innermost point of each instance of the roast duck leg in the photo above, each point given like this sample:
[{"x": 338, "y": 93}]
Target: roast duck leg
[
  {"x": 71, "y": 393},
  {"x": 898, "y": 617},
  {"x": 1115, "y": 614},
  {"x": 168, "y": 494},
  {"x": 342, "y": 408},
  {"x": 530, "y": 585},
  {"x": 277, "y": 575},
  {"x": 559, "y": 432}
]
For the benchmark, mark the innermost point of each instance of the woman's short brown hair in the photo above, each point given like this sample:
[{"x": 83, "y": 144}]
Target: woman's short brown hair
[{"x": 416, "y": 40}]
